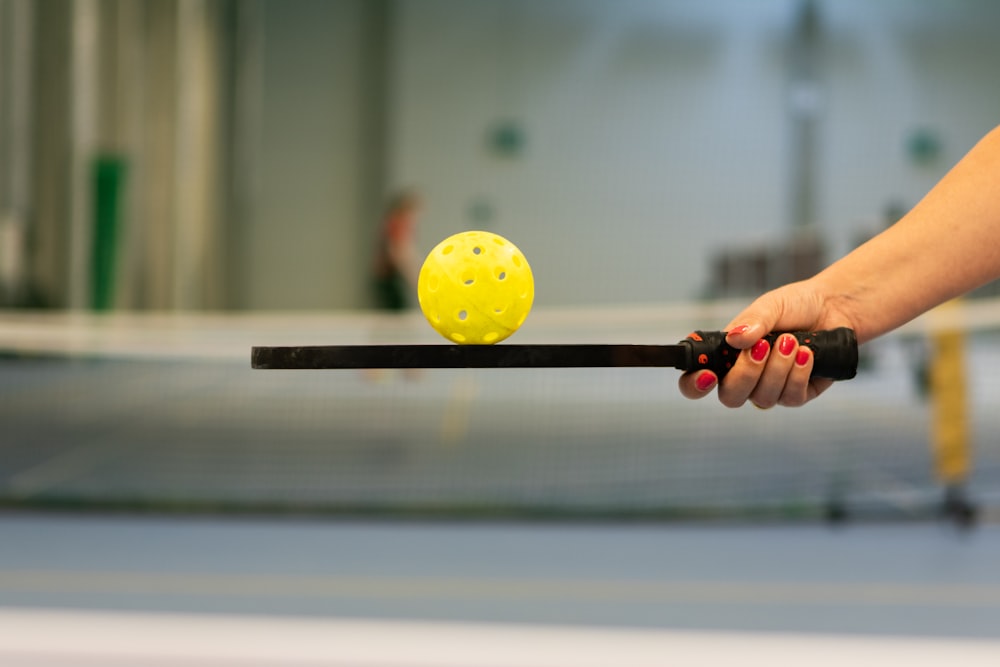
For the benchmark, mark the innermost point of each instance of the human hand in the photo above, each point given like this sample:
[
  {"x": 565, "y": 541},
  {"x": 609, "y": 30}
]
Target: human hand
[{"x": 764, "y": 375}]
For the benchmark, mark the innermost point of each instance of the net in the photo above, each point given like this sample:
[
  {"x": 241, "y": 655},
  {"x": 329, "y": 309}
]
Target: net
[{"x": 163, "y": 412}]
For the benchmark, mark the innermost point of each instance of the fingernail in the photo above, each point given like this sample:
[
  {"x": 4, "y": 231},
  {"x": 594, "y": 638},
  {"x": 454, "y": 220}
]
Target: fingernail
[
  {"x": 742, "y": 329},
  {"x": 705, "y": 381},
  {"x": 802, "y": 358},
  {"x": 759, "y": 350},
  {"x": 786, "y": 345}
]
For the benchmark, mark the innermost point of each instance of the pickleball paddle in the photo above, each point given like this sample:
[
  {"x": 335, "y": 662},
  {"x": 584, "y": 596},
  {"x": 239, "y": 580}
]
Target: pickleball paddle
[{"x": 835, "y": 354}]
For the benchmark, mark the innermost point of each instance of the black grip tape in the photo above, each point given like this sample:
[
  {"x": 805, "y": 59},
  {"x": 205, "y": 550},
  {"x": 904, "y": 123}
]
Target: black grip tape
[{"x": 835, "y": 352}]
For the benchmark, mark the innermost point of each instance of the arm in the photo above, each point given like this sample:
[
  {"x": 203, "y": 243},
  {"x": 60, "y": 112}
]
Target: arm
[{"x": 947, "y": 245}]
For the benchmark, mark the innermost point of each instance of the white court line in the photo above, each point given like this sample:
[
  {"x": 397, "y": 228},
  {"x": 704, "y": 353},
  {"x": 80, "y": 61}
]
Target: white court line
[
  {"x": 33, "y": 638},
  {"x": 758, "y": 594}
]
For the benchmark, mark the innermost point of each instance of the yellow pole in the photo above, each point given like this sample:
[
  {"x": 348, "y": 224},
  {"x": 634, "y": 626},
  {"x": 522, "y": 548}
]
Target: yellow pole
[{"x": 950, "y": 432}]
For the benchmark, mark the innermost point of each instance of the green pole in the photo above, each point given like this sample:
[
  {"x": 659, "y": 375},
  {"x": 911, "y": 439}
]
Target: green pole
[{"x": 109, "y": 191}]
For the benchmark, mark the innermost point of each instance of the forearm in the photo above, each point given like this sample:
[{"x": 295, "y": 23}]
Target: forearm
[{"x": 947, "y": 245}]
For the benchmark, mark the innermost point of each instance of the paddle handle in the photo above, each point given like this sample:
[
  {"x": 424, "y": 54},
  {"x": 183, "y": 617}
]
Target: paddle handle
[{"x": 835, "y": 351}]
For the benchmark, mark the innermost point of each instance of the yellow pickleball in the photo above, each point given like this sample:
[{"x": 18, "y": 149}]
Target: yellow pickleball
[{"x": 475, "y": 288}]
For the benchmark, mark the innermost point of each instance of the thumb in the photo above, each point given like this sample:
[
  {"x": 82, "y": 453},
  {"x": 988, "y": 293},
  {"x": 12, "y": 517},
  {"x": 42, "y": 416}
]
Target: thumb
[{"x": 757, "y": 320}]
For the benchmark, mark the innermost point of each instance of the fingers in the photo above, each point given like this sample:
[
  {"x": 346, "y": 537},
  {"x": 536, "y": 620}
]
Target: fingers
[
  {"x": 747, "y": 337},
  {"x": 763, "y": 376},
  {"x": 784, "y": 378},
  {"x": 768, "y": 376},
  {"x": 698, "y": 384},
  {"x": 795, "y": 391},
  {"x": 747, "y": 373}
]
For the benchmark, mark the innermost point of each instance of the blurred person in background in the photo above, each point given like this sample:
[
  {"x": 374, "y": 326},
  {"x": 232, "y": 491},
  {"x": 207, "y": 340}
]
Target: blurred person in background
[
  {"x": 395, "y": 269},
  {"x": 397, "y": 262}
]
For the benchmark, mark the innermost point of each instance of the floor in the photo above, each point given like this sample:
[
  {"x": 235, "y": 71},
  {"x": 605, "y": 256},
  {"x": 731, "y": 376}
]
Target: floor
[{"x": 904, "y": 583}]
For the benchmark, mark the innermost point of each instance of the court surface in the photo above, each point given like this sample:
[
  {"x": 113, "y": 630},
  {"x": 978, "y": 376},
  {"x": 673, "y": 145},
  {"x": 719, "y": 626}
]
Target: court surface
[{"x": 151, "y": 591}]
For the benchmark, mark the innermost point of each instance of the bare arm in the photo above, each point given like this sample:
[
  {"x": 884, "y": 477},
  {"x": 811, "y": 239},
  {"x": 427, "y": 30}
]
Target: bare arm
[{"x": 947, "y": 245}]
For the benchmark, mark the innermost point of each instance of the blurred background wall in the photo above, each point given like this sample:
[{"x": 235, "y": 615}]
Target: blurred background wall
[{"x": 236, "y": 154}]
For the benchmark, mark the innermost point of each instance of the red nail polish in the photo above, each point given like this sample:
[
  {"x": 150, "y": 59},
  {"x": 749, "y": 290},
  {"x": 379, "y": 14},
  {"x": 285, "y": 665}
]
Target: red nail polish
[
  {"x": 759, "y": 350},
  {"x": 705, "y": 381},
  {"x": 802, "y": 358},
  {"x": 786, "y": 345},
  {"x": 742, "y": 329}
]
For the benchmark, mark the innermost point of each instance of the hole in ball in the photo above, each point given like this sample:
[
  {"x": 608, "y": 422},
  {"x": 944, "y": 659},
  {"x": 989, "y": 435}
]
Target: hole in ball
[
  {"x": 490, "y": 337},
  {"x": 447, "y": 249},
  {"x": 468, "y": 277},
  {"x": 462, "y": 315},
  {"x": 517, "y": 261},
  {"x": 501, "y": 274},
  {"x": 458, "y": 338},
  {"x": 477, "y": 250}
]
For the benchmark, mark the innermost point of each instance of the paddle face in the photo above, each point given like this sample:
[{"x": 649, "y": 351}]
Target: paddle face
[
  {"x": 469, "y": 356},
  {"x": 835, "y": 354}
]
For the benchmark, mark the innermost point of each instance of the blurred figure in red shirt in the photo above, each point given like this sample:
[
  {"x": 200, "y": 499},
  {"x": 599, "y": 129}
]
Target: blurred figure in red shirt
[{"x": 397, "y": 263}]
